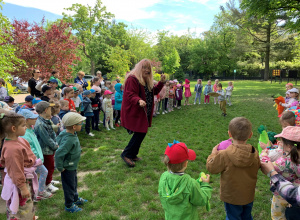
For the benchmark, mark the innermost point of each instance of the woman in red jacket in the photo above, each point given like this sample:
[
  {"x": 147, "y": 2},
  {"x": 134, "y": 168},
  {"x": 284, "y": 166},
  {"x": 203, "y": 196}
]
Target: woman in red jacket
[{"x": 137, "y": 107}]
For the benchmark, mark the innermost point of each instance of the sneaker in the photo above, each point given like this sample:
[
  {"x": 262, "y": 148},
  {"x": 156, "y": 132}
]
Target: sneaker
[
  {"x": 157, "y": 113},
  {"x": 51, "y": 188},
  {"x": 163, "y": 113},
  {"x": 73, "y": 208},
  {"x": 194, "y": 103},
  {"x": 224, "y": 115},
  {"x": 44, "y": 195},
  {"x": 55, "y": 182},
  {"x": 113, "y": 128},
  {"x": 117, "y": 125},
  {"x": 80, "y": 201},
  {"x": 91, "y": 134}
]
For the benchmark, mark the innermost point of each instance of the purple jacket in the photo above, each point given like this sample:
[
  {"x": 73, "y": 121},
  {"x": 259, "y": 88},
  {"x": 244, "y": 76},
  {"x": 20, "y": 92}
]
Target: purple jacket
[{"x": 178, "y": 94}]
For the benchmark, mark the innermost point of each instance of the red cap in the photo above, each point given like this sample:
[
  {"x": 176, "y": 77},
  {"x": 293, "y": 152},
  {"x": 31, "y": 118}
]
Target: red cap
[
  {"x": 107, "y": 92},
  {"x": 178, "y": 153}
]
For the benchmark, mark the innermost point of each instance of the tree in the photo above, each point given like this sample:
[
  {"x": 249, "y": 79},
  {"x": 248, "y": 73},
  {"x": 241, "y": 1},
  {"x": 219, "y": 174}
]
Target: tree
[
  {"x": 7, "y": 52},
  {"x": 90, "y": 26},
  {"x": 54, "y": 48},
  {"x": 171, "y": 62},
  {"x": 289, "y": 8}
]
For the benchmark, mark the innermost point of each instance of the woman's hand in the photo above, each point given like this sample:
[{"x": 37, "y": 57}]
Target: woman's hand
[
  {"x": 142, "y": 103},
  {"x": 162, "y": 78},
  {"x": 266, "y": 167}
]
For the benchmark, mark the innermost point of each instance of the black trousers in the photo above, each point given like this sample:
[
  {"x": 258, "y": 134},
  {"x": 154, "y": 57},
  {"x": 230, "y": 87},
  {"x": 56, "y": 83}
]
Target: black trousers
[
  {"x": 88, "y": 124},
  {"x": 69, "y": 184},
  {"x": 132, "y": 149},
  {"x": 178, "y": 103},
  {"x": 118, "y": 116},
  {"x": 95, "y": 119},
  {"x": 166, "y": 104}
]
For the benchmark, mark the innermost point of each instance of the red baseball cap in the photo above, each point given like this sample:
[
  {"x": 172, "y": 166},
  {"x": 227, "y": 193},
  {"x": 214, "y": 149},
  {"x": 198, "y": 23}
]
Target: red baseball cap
[{"x": 178, "y": 153}]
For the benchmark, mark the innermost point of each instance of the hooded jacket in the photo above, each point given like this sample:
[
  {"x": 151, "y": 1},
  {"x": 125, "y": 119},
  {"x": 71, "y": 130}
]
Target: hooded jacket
[
  {"x": 68, "y": 154},
  {"x": 118, "y": 96},
  {"x": 238, "y": 165},
  {"x": 180, "y": 196}
]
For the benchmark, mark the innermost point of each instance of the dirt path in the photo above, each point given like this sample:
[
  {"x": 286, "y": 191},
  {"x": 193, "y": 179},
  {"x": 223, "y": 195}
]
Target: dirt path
[{"x": 20, "y": 98}]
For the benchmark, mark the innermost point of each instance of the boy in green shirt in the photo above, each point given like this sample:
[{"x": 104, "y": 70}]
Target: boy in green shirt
[
  {"x": 67, "y": 158},
  {"x": 179, "y": 193}
]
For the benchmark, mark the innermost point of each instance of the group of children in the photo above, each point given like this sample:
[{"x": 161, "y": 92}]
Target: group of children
[{"x": 171, "y": 95}]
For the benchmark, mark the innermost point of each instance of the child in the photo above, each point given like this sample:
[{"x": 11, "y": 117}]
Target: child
[
  {"x": 36, "y": 149},
  {"x": 87, "y": 111},
  {"x": 238, "y": 165},
  {"x": 286, "y": 165},
  {"x": 198, "y": 90},
  {"x": 293, "y": 97},
  {"x": 288, "y": 86},
  {"x": 215, "y": 87},
  {"x": 11, "y": 103},
  {"x": 69, "y": 93},
  {"x": 47, "y": 93},
  {"x": 107, "y": 84},
  {"x": 76, "y": 99},
  {"x": 57, "y": 125},
  {"x": 53, "y": 83},
  {"x": 46, "y": 137},
  {"x": 3, "y": 90},
  {"x": 207, "y": 89},
  {"x": 64, "y": 108},
  {"x": 171, "y": 96},
  {"x": 165, "y": 107},
  {"x": 107, "y": 108},
  {"x": 28, "y": 103},
  {"x": 187, "y": 92},
  {"x": 95, "y": 99},
  {"x": 66, "y": 160},
  {"x": 221, "y": 99},
  {"x": 178, "y": 96},
  {"x": 118, "y": 102},
  {"x": 20, "y": 164},
  {"x": 179, "y": 193},
  {"x": 229, "y": 93}
]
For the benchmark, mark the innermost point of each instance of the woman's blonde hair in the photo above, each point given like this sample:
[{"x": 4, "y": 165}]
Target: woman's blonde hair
[
  {"x": 81, "y": 73},
  {"x": 137, "y": 72}
]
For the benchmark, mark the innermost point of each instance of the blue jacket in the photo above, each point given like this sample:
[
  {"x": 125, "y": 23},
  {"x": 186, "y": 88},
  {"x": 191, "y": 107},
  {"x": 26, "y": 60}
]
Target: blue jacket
[
  {"x": 62, "y": 113},
  {"x": 87, "y": 107},
  {"x": 84, "y": 84},
  {"x": 208, "y": 89},
  {"x": 198, "y": 88},
  {"x": 45, "y": 135},
  {"x": 118, "y": 96}
]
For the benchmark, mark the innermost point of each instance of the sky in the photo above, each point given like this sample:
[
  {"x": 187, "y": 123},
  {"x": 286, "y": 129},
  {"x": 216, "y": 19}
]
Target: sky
[{"x": 173, "y": 15}]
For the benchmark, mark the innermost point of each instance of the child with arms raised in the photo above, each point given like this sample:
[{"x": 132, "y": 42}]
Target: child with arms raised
[
  {"x": 67, "y": 158},
  {"x": 293, "y": 97},
  {"x": 179, "y": 193},
  {"x": 20, "y": 164},
  {"x": 238, "y": 165}
]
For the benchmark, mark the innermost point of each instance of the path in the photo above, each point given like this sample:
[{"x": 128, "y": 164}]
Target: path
[{"x": 20, "y": 98}]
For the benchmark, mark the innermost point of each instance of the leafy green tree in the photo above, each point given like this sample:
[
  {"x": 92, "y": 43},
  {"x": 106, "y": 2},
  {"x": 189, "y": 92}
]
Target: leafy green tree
[
  {"x": 171, "y": 62},
  {"x": 8, "y": 60},
  {"x": 90, "y": 25}
]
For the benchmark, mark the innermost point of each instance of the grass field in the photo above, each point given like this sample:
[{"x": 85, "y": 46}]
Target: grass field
[{"x": 115, "y": 191}]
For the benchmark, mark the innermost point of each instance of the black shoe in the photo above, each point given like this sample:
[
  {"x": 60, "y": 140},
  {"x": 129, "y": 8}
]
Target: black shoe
[
  {"x": 128, "y": 161},
  {"x": 224, "y": 115},
  {"x": 96, "y": 129}
]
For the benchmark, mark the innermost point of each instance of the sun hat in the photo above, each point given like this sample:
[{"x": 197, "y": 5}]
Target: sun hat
[
  {"x": 178, "y": 85},
  {"x": 171, "y": 81},
  {"x": 36, "y": 101},
  {"x": 29, "y": 98},
  {"x": 294, "y": 90},
  {"x": 289, "y": 84},
  {"x": 42, "y": 105},
  {"x": 72, "y": 118},
  {"x": 53, "y": 81},
  {"x": 175, "y": 81},
  {"x": 45, "y": 88},
  {"x": 107, "y": 92},
  {"x": 92, "y": 90},
  {"x": 187, "y": 81},
  {"x": 27, "y": 114},
  {"x": 86, "y": 92},
  {"x": 178, "y": 152},
  {"x": 291, "y": 133},
  {"x": 8, "y": 99}
]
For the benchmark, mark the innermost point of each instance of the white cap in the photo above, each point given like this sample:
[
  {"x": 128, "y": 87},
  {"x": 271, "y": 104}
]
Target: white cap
[{"x": 294, "y": 90}]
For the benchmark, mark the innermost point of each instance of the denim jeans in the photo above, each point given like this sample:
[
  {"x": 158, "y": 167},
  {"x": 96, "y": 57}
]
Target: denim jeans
[
  {"x": 198, "y": 96},
  {"x": 238, "y": 212}
]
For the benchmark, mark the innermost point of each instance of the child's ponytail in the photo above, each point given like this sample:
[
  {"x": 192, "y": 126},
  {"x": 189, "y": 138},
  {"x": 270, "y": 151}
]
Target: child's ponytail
[
  {"x": 7, "y": 120},
  {"x": 295, "y": 147}
]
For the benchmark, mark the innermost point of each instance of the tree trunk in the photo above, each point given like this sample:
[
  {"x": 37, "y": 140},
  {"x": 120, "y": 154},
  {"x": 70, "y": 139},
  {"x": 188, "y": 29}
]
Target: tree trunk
[
  {"x": 267, "y": 58},
  {"x": 92, "y": 67}
]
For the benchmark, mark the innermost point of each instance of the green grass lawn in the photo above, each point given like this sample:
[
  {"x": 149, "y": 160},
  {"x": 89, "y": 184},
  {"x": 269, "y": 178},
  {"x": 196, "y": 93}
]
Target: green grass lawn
[{"x": 115, "y": 191}]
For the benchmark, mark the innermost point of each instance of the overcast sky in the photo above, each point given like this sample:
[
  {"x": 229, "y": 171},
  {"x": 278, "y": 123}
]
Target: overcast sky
[{"x": 174, "y": 15}]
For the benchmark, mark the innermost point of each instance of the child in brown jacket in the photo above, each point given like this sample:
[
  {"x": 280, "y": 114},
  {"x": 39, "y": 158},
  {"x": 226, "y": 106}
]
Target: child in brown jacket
[{"x": 238, "y": 165}]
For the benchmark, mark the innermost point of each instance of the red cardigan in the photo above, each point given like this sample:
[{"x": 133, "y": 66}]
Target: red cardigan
[{"x": 133, "y": 116}]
